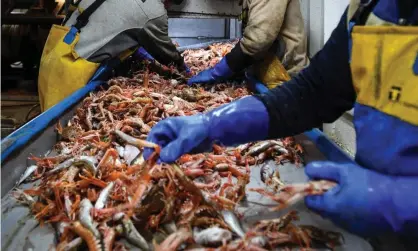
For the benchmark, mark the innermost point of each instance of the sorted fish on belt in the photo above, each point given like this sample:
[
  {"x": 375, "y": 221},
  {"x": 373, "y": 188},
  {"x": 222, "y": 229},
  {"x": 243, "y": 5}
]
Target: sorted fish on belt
[
  {"x": 28, "y": 172},
  {"x": 85, "y": 216},
  {"x": 86, "y": 161},
  {"x": 103, "y": 196},
  {"x": 211, "y": 236},
  {"x": 233, "y": 222}
]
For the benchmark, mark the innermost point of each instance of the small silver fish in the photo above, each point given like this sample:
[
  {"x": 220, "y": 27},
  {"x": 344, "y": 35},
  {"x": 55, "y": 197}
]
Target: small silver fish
[
  {"x": 260, "y": 241},
  {"x": 61, "y": 226},
  {"x": 231, "y": 219},
  {"x": 85, "y": 216},
  {"x": 170, "y": 227},
  {"x": 280, "y": 149},
  {"x": 120, "y": 149},
  {"x": 27, "y": 173},
  {"x": 277, "y": 143},
  {"x": 260, "y": 147},
  {"x": 104, "y": 194},
  {"x": 61, "y": 166},
  {"x": 74, "y": 244},
  {"x": 118, "y": 162},
  {"x": 211, "y": 236},
  {"x": 133, "y": 236},
  {"x": 71, "y": 174},
  {"x": 88, "y": 162},
  {"x": 244, "y": 147},
  {"x": 139, "y": 160},
  {"x": 130, "y": 153},
  {"x": 67, "y": 204},
  {"x": 118, "y": 216}
]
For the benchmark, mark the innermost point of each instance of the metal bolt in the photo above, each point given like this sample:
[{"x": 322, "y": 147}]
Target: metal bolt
[{"x": 402, "y": 21}]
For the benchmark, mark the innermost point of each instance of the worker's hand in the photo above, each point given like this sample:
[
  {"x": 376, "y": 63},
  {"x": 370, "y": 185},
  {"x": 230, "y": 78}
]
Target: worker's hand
[
  {"x": 186, "y": 69},
  {"x": 220, "y": 72},
  {"x": 142, "y": 54},
  {"x": 359, "y": 203},
  {"x": 180, "y": 135},
  {"x": 241, "y": 121},
  {"x": 255, "y": 84}
]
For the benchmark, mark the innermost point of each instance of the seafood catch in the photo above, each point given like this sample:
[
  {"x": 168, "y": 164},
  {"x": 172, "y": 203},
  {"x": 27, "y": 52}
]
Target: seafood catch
[
  {"x": 27, "y": 174},
  {"x": 292, "y": 193},
  {"x": 201, "y": 59},
  {"x": 100, "y": 192},
  {"x": 212, "y": 236},
  {"x": 85, "y": 216}
]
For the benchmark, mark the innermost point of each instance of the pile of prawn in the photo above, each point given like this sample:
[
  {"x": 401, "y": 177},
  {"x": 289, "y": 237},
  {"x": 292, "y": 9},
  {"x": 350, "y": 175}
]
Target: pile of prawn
[
  {"x": 201, "y": 59},
  {"x": 100, "y": 193}
]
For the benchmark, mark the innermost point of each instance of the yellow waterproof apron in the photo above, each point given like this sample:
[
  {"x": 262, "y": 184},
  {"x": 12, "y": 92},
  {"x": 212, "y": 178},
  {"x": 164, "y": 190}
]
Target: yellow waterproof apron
[
  {"x": 62, "y": 70},
  {"x": 270, "y": 70},
  {"x": 384, "y": 69}
]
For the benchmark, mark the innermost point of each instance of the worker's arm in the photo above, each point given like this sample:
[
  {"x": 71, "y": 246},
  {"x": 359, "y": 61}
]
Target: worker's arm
[
  {"x": 155, "y": 40},
  {"x": 366, "y": 202},
  {"x": 264, "y": 24},
  {"x": 319, "y": 94}
]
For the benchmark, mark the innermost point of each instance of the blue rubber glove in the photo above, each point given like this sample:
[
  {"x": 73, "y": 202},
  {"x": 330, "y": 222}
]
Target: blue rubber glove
[
  {"x": 186, "y": 69},
  {"x": 220, "y": 72},
  {"x": 241, "y": 121},
  {"x": 142, "y": 54},
  {"x": 365, "y": 202},
  {"x": 257, "y": 85}
]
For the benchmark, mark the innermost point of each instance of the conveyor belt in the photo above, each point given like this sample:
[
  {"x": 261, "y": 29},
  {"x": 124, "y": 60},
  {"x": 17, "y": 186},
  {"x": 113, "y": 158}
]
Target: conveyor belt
[{"x": 19, "y": 231}]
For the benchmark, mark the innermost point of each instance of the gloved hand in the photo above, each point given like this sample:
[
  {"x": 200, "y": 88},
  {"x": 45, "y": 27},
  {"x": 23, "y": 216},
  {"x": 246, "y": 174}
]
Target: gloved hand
[
  {"x": 259, "y": 86},
  {"x": 365, "y": 202},
  {"x": 220, "y": 72},
  {"x": 142, "y": 54},
  {"x": 241, "y": 121},
  {"x": 186, "y": 69}
]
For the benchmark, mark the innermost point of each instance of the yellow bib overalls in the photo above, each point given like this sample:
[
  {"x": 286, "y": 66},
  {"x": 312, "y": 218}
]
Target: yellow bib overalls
[
  {"x": 62, "y": 70},
  {"x": 384, "y": 69}
]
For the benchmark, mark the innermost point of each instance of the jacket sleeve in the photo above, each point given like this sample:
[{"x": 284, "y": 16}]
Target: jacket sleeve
[
  {"x": 154, "y": 38},
  {"x": 264, "y": 24},
  {"x": 318, "y": 94}
]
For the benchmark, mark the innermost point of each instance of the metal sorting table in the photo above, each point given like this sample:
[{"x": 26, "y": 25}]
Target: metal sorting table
[{"x": 20, "y": 231}]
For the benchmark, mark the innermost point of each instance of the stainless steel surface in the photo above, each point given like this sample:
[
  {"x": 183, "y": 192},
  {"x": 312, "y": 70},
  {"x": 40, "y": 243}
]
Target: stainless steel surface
[
  {"x": 343, "y": 133},
  {"x": 192, "y": 28},
  {"x": 200, "y": 30},
  {"x": 205, "y": 8}
]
